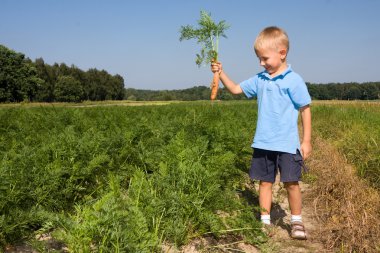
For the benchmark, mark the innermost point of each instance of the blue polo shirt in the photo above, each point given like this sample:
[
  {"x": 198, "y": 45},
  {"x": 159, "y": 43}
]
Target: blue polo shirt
[{"x": 279, "y": 100}]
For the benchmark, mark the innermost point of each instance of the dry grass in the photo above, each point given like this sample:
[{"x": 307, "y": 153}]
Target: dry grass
[{"x": 347, "y": 208}]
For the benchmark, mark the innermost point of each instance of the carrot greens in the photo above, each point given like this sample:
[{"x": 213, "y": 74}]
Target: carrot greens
[{"x": 207, "y": 34}]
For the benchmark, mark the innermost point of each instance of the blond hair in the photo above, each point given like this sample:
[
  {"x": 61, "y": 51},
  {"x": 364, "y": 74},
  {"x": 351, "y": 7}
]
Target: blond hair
[{"x": 272, "y": 37}]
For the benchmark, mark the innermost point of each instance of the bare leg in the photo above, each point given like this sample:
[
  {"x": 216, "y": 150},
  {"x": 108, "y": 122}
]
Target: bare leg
[
  {"x": 265, "y": 197},
  {"x": 294, "y": 197}
]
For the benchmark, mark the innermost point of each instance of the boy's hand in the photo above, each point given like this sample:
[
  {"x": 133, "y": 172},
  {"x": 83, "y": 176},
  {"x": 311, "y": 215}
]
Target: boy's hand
[
  {"x": 216, "y": 67},
  {"x": 306, "y": 150}
]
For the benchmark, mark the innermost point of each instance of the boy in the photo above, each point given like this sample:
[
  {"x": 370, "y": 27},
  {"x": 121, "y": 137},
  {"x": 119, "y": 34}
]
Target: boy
[{"x": 280, "y": 93}]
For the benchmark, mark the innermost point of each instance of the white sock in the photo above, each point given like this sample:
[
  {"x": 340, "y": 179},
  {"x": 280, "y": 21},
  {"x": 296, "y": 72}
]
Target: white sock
[
  {"x": 265, "y": 218},
  {"x": 296, "y": 218}
]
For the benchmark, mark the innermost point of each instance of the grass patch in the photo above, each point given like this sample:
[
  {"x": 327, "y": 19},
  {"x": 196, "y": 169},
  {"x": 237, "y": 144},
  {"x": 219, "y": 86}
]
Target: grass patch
[
  {"x": 354, "y": 128},
  {"x": 346, "y": 206}
]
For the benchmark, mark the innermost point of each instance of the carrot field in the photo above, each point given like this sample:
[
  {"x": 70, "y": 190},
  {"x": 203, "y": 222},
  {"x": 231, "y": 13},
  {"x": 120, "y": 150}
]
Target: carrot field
[
  {"x": 133, "y": 178},
  {"x": 126, "y": 178}
]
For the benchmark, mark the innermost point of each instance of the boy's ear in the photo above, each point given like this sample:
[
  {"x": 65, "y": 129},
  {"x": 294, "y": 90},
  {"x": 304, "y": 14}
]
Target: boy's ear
[{"x": 283, "y": 53}]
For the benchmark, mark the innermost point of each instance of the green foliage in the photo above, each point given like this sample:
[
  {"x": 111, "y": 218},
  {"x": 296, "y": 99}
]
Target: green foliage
[
  {"x": 207, "y": 35},
  {"x": 125, "y": 178},
  {"x": 191, "y": 94},
  {"x": 68, "y": 89},
  {"x": 355, "y": 131},
  {"x": 345, "y": 91},
  {"x": 18, "y": 78},
  {"x": 24, "y": 80},
  {"x": 114, "y": 223},
  {"x": 340, "y": 91}
]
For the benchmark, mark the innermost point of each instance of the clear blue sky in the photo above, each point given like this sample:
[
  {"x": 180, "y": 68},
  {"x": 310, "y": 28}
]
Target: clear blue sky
[{"x": 330, "y": 40}]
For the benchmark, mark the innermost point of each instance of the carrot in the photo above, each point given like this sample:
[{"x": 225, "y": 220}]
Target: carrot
[
  {"x": 214, "y": 86},
  {"x": 208, "y": 35}
]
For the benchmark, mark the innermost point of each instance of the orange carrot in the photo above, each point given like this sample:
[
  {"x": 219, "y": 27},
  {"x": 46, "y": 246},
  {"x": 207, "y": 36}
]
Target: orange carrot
[{"x": 214, "y": 86}]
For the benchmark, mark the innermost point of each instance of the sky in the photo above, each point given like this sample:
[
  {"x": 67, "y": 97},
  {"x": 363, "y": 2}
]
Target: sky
[{"x": 330, "y": 40}]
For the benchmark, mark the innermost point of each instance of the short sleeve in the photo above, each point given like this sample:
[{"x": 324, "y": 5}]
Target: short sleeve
[
  {"x": 299, "y": 94},
  {"x": 249, "y": 87}
]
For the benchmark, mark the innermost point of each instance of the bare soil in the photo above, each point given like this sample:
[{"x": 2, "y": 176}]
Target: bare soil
[{"x": 280, "y": 215}]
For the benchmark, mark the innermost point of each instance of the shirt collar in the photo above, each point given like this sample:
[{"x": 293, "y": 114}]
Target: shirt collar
[{"x": 282, "y": 75}]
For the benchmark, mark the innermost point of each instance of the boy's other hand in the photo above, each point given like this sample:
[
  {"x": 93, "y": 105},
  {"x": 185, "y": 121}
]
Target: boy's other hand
[
  {"x": 306, "y": 150},
  {"x": 216, "y": 67}
]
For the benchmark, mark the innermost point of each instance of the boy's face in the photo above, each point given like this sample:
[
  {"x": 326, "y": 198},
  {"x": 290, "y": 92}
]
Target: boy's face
[{"x": 273, "y": 60}]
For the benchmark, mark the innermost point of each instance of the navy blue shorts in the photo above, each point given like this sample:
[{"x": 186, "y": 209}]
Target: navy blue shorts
[{"x": 265, "y": 165}]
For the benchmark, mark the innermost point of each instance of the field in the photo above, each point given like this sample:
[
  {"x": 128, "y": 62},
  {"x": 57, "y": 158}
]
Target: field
[
  {"x": 354, "y": 128},
  {"x": 116, "y": 178}
]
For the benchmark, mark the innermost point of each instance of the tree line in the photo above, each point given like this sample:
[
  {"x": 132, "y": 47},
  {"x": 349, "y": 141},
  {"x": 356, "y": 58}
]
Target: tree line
[
  {"x": 190, "y": 94},
  {"x": 345, "y": 91},
  {"x": 332, "y": 91},
  {"x": 22, "y": 79}
]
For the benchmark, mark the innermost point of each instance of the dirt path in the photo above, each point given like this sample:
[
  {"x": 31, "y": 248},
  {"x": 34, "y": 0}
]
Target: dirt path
[
  {"x": 281, "y": 241},
  {"x": 339, "y": 208},
  {"x": 280, "y": 215}
]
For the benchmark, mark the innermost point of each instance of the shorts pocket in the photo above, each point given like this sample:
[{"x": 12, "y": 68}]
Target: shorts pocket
[{"x": 299, "y": 159}]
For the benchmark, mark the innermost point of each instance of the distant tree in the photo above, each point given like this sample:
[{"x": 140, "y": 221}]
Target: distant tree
[
  {"x": 345, "y": 91},
  {"x": 95, "y": 86},
  {"x": 313, "y": 90},
  {"x": 115, "y": 88},
  {"x": 68, "y": 89},
  {"x": 132, "y": 98},
  {"x": 190, "y": 94},
  {"x": 45, "y": 92},
  {"x": 225, "y": 95},
  {"x": 370, "y": 91},
  {"x": 18, "y": 77},
  {"x": 353, "y": 92}
]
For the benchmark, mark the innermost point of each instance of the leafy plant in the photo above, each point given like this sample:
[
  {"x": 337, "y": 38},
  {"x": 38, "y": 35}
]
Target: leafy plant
[
  {"x": 207, "y": 34},
  {"x": 124, "y": 178}
]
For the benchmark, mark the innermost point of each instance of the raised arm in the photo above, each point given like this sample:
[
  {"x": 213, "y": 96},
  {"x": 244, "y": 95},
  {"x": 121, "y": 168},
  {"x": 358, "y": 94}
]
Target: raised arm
[
  {"x": 227, "y": 82},
  {"x": 306, "y": 124}
]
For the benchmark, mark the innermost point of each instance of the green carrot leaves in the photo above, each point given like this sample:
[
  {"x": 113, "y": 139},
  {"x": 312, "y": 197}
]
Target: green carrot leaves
[{"x": 207, "y": 34}]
